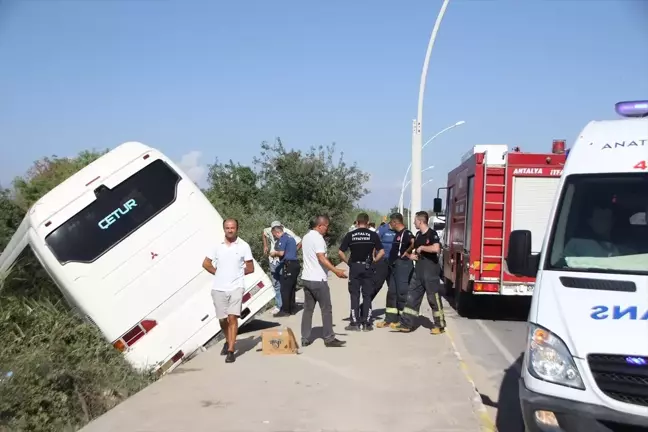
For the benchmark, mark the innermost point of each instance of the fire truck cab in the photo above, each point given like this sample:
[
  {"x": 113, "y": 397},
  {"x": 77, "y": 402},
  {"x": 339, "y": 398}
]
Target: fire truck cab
[{"x": 492, "y": 192}]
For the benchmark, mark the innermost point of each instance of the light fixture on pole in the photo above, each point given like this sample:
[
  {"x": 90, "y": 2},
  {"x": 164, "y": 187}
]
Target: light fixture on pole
[
  {"x": 409, "y": 182},
  {"x": 403, "y": 186},
  {"x": 417, "y": 143}
]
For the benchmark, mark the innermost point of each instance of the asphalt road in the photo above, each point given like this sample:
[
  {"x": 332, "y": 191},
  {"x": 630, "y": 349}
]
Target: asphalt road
[{"x": 492, "y": 344}]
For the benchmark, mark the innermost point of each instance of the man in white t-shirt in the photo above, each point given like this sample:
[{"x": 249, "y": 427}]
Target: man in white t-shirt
[
  {"x": 230, "y": 261},
  {"x": 269, "y": 243},
  {"x": 316, "y": 288}
]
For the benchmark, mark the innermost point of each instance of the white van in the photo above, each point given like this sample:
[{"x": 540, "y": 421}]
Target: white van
[
  {"x": 586, "y": 363},
  {"x": 124, "y": 239}
]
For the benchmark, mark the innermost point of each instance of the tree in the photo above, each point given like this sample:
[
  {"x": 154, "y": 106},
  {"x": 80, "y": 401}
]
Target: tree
[
  {"x": 287, "y": 185},
  {"x": 10, "y": 217},
  {"x": 233, "y": 185},
  {"x": 302, "y": 185}
]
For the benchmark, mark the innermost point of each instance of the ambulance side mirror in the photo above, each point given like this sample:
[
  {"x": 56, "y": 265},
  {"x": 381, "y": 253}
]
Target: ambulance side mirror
[
  {"x": 437, "y": 206},
  {"x": 520, "y": 261}
]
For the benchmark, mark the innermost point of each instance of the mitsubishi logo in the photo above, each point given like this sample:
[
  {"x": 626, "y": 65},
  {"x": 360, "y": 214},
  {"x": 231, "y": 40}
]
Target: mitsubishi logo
[{"x": 153, "y": 255}]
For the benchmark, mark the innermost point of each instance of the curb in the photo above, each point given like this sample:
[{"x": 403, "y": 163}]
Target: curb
[{"x": 486, "y": 423}]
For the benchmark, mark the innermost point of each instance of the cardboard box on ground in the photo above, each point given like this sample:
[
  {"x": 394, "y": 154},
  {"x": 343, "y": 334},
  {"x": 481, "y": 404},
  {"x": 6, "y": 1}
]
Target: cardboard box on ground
[{"x": 279, "y": 341}]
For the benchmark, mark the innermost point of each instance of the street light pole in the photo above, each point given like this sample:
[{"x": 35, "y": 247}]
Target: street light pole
[
  {"x": 410, "y": 221},
  {"x": 417, "y": 141},
  {"x": 403, "y": 184}
]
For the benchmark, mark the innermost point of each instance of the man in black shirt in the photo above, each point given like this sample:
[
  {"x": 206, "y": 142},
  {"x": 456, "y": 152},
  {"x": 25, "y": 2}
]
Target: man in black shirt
[
  {"x": 401, "y": 271},
  {"x": 362, "y": 242},
  {"x": 425, "y": 280}
]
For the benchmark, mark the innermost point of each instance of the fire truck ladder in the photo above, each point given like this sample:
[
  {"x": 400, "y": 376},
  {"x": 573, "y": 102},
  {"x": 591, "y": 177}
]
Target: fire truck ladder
[{"x": 495, "y": 181}]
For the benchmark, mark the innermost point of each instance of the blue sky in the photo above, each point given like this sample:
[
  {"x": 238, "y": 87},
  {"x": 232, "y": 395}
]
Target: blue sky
[{"x": 207, "y": 79}]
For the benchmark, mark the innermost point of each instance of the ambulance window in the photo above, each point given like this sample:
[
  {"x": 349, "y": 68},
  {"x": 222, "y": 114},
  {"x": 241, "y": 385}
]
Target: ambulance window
[{"x": 601, "y": 226}]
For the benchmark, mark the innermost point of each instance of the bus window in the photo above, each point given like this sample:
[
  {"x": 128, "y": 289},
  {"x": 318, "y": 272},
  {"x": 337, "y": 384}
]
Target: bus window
[{"x": 115, "y": 214}]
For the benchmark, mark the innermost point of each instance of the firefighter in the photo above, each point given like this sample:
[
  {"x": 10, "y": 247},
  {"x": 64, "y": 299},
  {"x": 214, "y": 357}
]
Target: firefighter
[
  {"x": 401, "y": 271},
  {"x": 425, "y": 280},
  {"x": 361, "y": 242}
]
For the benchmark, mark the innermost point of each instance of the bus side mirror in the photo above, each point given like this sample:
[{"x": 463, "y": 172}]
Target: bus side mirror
[
  {"x": 437, "y": 206},
  {"x": 520, "y": 261}
]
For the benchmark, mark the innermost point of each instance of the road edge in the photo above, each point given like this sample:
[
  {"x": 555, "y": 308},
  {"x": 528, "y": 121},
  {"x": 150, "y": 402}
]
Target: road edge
[{"x": 486, "y": 422}]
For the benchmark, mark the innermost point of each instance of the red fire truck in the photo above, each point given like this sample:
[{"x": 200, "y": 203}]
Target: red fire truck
[{"x": 492, "y": 192}]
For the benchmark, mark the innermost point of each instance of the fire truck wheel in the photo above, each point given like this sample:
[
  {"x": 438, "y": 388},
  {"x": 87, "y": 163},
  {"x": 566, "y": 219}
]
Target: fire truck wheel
[
  {"x": 464, "y": 302},
  {"x": 447, "y": 287}
]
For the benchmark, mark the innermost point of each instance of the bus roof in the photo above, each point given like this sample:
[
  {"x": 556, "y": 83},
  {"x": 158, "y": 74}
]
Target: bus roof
[
  {"x": 87, "y": 177},
  {"x": 610, "y": 146},
  {"x": 65, "y": 192}
]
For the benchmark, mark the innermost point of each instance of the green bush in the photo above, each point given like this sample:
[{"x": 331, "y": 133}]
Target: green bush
[{"x": 63, "y": 372}]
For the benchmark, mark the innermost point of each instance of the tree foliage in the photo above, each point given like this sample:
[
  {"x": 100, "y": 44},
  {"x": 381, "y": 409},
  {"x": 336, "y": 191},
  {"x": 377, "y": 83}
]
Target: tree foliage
[
  {"x": 233, "y": 186},
  {"x": 287, "y": 185},
  {"x": 10, "y": 217},
  {"x": 47, "y": 173}
]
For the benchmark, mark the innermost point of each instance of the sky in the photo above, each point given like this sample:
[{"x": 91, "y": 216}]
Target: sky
[{"x": 201, "y": 80}]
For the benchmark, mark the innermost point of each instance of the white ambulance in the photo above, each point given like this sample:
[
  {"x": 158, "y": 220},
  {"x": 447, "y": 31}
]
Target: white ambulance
[{"x": 586, "y": 363}]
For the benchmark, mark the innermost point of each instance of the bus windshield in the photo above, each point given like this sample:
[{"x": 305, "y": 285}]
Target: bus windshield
[
  {"x": 115, "y": 214},
  {"x": 601, "y": 225}
]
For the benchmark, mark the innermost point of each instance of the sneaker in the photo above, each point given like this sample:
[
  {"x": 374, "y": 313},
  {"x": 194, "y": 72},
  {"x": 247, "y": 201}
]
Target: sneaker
[
  {"x": 305, "y": 342},
  {"x": 437, "y": 330},
  {"x": 274, "y": 310},
  {"x": 335, "y": 343},
  {"x": 224, "y": 350},
  {"x": 367, "y": 327},
  {"x": 352, "y": 327},
  {"x": 230, "y": 357}
]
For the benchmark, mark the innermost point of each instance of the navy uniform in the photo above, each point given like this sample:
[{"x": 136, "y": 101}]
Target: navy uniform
[
  {"x": 361, "y": 242},
  {"x": 400, "y": 276},
  {"x": 290, "y": 269},
  {"x": 425, "y": 280},
  {"x": 383, "y": 268}
]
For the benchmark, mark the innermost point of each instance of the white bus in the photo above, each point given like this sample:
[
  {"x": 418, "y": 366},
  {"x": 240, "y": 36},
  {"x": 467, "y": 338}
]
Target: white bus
[{"x": 124, "y": 239}]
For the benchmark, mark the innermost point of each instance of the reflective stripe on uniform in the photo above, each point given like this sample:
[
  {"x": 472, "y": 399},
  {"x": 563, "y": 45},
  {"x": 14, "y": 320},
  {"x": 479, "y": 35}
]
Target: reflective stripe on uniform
[
  {"x": 439, "y": 313},
  {"x": 410, "y": 311},
  {"x": 391, "y": 310}
]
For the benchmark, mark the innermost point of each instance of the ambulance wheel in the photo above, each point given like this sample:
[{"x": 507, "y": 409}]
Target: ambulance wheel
[{"x": 464, "y": 302}]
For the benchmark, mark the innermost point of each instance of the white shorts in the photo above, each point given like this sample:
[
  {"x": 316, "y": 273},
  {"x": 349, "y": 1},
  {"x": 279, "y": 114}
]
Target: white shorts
[{"x": 228, "y": 302}]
